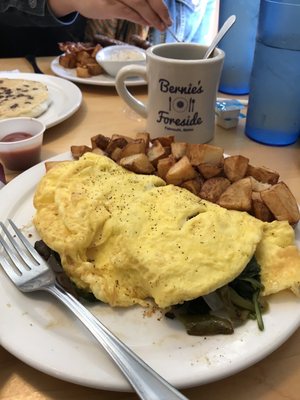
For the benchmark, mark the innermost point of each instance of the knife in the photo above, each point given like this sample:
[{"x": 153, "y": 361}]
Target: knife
[{"x": 31, "y": 59}]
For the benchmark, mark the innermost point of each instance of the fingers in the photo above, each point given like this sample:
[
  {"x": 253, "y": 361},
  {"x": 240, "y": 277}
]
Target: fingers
[
  {"x": 162, "y": 10},
  {"x": 153, "y": 12},
  {"x": 145, "y": 12},
  {"x": 130, "y": 14}
]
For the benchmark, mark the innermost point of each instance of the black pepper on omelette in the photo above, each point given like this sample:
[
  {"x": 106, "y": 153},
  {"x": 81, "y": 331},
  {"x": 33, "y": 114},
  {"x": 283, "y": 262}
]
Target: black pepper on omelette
[{"x": 131, "y": 238}]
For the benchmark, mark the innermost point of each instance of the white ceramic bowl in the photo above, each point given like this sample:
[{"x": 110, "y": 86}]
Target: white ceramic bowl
[{"x": 113, "y": 58}]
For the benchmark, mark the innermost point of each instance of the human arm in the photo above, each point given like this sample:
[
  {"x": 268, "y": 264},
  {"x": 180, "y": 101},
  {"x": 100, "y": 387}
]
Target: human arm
[
  {"x": 30, "y": 13},
  {"x": 60, "y": 12},
  {"x": 144, "y": 12}
]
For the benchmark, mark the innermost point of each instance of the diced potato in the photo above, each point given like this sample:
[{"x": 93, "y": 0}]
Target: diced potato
[
  {"x": 263, "y": 174},
  {"x": 86, "y": 61},
  {"x": 94, "y": 68},
  {"x": 163, "y": 166},
  {"x": 78, "y": 151},
  {"x": 212, "y": 189},
  {"x": 138, "y": 163},
  {"x": 68, "y": 60},
  {"x": 135, "y": 147},
  {"x": 208, "y": 170},
  {"x": 181, "y": 171},
  {"x": 82, "y": 72},
  {"x": 204, "y": 153},
  {"x": 128, "y": 139},
  {"x": 238, "y": 196},
  {"x": 98, "y": 151},
  {"x": 256, "y": 196},
  {"x": 84, "y": 57},
  {"x": 259, "y": 209},
  {"x": 145, "y": 137},
  {"x": 259, "y": 186},
  {"x": 100, "y": 141},
  {"x": 81, "y": 56},
  {"x": 235, "y": 167},
  {"x": 178, "y": 149},
  {"x": 156, "y": 152},
  {"x": 116, "y": 154},
  {"x": 165, "y": 141},
  {"x": 95, "y": 50},
  {"x": 281, "y": 202},
  {"x": 193, "y": 185},
  {"x": 114, "y": 143}
]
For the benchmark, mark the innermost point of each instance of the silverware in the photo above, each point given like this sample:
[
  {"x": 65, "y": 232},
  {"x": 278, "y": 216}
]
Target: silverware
[
  {"x": 29, "y": 272},
  {"x": 32, "y": 61},
  {"x": 224, "y": 29}
]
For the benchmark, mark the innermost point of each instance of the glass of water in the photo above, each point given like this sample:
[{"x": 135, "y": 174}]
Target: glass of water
[{"x": 273, "y": 116}]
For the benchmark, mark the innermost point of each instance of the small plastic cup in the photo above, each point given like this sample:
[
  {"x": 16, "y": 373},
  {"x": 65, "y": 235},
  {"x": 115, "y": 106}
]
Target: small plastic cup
[
  {"x": 21, "y": 142},
  {"x": 2, "y": 176}
]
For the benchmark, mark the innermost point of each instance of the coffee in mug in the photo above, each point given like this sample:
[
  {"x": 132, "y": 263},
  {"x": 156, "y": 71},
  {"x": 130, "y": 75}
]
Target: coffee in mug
[{"x": 182, "y": 89}]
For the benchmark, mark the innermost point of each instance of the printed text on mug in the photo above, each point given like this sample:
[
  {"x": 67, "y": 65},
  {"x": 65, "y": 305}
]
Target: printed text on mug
[{"x": 182, "y": 102}]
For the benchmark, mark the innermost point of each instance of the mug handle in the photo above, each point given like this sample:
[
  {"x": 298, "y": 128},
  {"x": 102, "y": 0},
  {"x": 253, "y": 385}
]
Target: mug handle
[{"x": 128, "y": 72}]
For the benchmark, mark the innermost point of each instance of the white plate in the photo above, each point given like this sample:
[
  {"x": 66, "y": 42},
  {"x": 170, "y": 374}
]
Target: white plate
[
  {"x": 42, "y": 333},
  {"x": 98, "y": 80},
  {"x": 65, "y": 97}
]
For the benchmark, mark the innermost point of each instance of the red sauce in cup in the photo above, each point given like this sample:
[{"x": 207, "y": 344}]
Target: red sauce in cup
[
  {"x": 16, "y": 136},
  {"x": 20, "y": 159}
]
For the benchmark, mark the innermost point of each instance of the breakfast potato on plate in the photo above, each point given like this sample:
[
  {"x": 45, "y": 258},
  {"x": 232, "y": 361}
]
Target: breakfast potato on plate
[
  {"x": 80, "y": 56},
  {"x": 231, "y": 181}
]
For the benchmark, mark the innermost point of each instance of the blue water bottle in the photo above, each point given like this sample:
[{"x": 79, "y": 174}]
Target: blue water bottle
[
  {"x": 238, "y": 44},
  {"x": 273, "y": 115}
]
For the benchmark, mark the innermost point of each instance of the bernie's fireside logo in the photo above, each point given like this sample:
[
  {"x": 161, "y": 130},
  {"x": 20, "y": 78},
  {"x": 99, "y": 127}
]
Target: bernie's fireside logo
[{"x": 181, "y": 99}]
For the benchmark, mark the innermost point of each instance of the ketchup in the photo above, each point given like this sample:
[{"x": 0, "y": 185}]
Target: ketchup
[
  {"x": 18, "y": 159},
  {"x": 16, "y": 136}
]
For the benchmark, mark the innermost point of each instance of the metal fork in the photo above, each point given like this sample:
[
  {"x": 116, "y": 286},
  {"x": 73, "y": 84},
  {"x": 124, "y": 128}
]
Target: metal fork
[{"x": 29, "y": 272}]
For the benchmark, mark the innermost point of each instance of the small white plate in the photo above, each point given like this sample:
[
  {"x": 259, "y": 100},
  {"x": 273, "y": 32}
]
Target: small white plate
[
  {"x": 65, "y": 97},
  {"x": 42, "y": 333},
  {"x": 98, "y": 80}
]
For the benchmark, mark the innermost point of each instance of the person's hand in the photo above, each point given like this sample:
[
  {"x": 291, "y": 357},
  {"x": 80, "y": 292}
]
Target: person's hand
[{"x": 144, "y": 12}]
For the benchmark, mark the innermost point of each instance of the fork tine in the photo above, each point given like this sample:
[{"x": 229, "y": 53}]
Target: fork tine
[
  {"x": 25, "y": 242},
  {"x": 10, "y": 271},
  {"x": 12, "y": 254},
  {"x": 9, "y": 251}
]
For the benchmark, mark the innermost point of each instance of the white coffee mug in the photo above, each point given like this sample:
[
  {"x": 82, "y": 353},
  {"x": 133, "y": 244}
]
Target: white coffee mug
[{"x": 182, "y": 89}]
